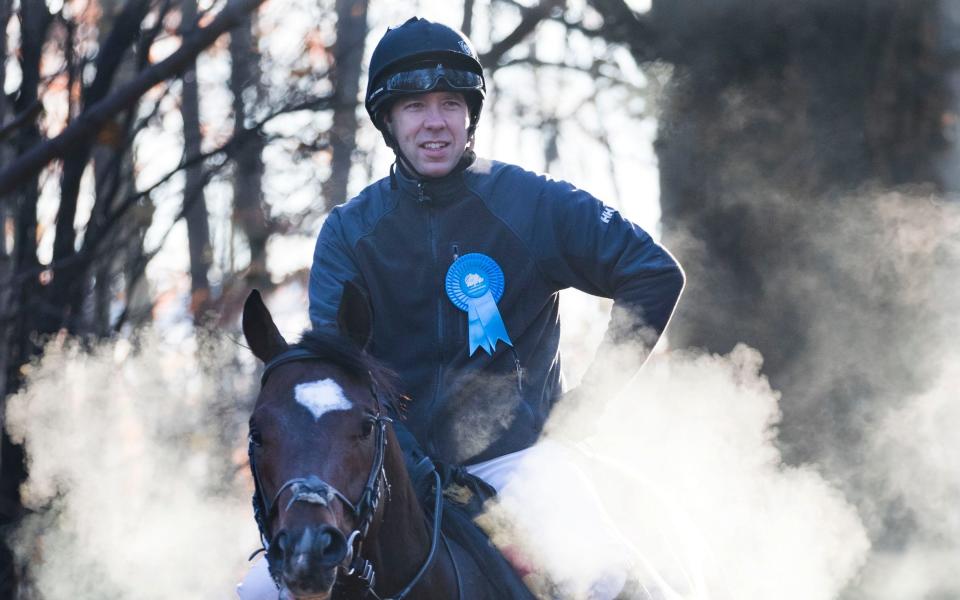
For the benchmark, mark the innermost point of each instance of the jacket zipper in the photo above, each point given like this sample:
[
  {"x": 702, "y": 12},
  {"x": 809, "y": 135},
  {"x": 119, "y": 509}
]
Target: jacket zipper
[{"x": 436, "y": 262}]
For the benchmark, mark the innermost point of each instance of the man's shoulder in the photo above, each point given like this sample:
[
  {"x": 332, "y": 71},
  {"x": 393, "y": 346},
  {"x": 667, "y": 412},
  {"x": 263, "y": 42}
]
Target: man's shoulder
[
  {"x": 495, "y": 169},
  {"x": 489, "y": 177},
  {"x": 495, "y": 180},
  {"x": 371, "y": 197},
  {"x": 361, "y": 213}
]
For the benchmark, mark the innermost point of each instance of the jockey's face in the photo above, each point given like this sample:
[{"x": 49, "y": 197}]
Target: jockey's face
[{"x": 431, "y": 130}]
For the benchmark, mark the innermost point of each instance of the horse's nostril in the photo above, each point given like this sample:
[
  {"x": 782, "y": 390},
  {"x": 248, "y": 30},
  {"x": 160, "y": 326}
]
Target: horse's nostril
[
  {"x": 280, "y": 542},
  {"x": 332, "y": 545},
  {"x": 310, "y": 557}
]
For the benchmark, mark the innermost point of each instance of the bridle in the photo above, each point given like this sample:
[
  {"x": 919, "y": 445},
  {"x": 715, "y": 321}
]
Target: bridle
[{"x": 355, "y": 572}]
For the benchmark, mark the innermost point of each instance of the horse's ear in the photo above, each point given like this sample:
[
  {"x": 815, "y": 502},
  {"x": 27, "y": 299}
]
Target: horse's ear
[
  {"x": 259, "y": 329},
  {"x": 354, "y": 317}
]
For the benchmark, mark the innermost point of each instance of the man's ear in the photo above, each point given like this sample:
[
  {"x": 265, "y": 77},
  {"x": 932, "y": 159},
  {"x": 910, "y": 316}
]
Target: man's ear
[
  {"x": 354, "y": 315},
  {"x": 260, "y": 331}
]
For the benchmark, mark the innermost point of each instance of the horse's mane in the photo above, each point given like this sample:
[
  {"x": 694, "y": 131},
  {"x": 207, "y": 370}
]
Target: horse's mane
[{"x": 344, "y": 353}]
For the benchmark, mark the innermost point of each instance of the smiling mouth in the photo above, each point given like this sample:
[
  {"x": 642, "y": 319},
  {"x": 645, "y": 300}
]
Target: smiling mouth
[{"x": 434, "y": 145}]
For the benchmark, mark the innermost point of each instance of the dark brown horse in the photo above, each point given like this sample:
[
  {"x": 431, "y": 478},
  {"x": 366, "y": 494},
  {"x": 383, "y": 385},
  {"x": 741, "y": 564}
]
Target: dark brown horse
[{"x": 337, "y": 512}]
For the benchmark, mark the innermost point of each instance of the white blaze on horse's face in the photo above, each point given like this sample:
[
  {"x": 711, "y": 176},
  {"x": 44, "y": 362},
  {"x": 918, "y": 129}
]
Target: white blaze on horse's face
[{"x": 321, "y": 397}]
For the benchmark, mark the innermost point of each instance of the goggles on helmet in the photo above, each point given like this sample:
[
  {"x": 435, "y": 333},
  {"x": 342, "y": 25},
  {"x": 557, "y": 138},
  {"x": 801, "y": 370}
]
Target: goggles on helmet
[{"x": 427, "y": 79}]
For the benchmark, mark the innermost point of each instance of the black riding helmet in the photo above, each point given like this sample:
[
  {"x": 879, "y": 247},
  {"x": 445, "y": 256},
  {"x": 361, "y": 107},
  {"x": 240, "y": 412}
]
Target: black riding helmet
[{"x": 421, "y": 56}]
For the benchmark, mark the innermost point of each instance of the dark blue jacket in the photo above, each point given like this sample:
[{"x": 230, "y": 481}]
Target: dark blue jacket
[{"x": 398, "y": 238}]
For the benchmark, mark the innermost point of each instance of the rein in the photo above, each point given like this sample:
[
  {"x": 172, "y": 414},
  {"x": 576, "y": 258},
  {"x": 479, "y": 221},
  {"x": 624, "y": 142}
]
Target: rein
[{"x": 355, "y": 571}]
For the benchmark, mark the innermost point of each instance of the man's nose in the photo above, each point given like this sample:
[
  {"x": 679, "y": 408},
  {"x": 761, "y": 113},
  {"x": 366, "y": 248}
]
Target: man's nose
[{"x": 433, "y": 119}]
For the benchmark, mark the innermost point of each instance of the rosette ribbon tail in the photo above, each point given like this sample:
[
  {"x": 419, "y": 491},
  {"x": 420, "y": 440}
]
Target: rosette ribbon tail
[{"x": 485, "y": 324}]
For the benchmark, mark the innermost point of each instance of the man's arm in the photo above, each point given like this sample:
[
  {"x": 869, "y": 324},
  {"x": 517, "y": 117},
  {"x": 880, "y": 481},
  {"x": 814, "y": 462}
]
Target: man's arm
[
  {"x": 603, "y": 254},
  {"x": 333, "y": 264}
]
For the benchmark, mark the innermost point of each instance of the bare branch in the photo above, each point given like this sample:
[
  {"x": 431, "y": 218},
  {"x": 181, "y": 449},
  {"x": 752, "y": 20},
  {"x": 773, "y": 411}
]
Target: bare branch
[
  {"x": 95, "y": 249},
  {"x": 87, "y": 125},
  {"x": 621, "y": 25},
  {"x": 22, "y": 119},
  {"x": 531, "y": 17},
  {"x": 466, "y": 25}
]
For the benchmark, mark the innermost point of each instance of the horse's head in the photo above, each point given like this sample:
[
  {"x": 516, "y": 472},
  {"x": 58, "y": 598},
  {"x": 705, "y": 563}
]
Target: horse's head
[{"x": 317, "y": 443}]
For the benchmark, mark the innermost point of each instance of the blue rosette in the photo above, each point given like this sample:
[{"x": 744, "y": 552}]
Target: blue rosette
[{"x": 475, "y": 284}]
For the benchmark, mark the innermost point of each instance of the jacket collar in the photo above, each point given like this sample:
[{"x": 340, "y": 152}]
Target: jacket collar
[{"x": 440, "y": 191}]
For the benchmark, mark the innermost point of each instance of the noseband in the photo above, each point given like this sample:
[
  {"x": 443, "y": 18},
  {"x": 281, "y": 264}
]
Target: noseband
[{"x": 355, "y": 571}]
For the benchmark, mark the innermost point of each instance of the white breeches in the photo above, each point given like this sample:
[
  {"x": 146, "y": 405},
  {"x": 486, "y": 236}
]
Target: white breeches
[{"x": 547, "y": 497}]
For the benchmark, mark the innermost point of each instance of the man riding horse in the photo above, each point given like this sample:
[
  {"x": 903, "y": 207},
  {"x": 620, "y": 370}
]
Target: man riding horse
[{"x": 461, "y": 261}]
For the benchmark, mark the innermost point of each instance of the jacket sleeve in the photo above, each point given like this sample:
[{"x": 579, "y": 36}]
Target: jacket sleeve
[
  {"x": 601, "y": 253},
  {"x": 333, "y": 264}
]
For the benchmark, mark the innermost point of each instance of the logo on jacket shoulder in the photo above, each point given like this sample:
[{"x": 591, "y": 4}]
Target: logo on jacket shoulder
[{"x": 607, "y": 214}]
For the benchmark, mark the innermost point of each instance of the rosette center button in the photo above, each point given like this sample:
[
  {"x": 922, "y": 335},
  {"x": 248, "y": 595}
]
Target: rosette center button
[{"x": 475, "y": 285}]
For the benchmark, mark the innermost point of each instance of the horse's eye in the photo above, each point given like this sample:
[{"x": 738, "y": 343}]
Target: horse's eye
[
  {"x": 255, "y": 438},
  {"x": 366, "y": 427}
]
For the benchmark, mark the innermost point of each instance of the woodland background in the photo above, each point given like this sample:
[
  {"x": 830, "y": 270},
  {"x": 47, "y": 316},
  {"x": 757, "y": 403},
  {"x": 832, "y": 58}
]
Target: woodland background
[{"x": 807, "y": 170}]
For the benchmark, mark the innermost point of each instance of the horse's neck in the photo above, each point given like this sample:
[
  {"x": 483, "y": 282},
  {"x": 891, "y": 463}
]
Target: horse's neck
[{"x": 402, "y": 541}]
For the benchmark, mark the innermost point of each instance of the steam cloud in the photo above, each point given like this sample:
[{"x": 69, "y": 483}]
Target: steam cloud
[
  {"x": 687, "y": 469},
  {"x": 134, "y": 475},
  {"x": 857, "y": 503},
  {"x": 138, "y": 483}
]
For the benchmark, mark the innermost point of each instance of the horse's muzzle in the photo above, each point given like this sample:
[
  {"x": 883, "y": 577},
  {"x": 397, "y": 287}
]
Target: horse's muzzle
[{"x": 308, "y": 558}]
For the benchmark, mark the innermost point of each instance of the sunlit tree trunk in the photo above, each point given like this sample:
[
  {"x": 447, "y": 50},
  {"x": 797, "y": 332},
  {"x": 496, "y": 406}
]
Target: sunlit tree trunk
[
  {"x": 249, "y": 211},
  {"x": 194, "y": 201},
  {"x": 775, "y": 110},
  {"x": 783, "y": 124},
  {"x": 348, "y": 60}
]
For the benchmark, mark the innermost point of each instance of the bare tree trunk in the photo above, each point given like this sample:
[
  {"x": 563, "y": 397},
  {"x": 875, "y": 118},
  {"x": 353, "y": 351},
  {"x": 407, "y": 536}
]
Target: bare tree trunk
[
  {"x": 113, "y": 172},
  {"x": 35, "y": 21},
  {"x": 467, "y": 25},
  {"x": 249, "y": 212},
  {"x": 6, "y": 262},
  {"x": 752, "y": 140},
  {"x": 121, "y": 24},
  {"x": 348, "y": 60},
  {"x": 8, "y": 497},
  {"x": 194, "y": 201},
  {"x": 779, "y": 120},
  {"x": 27, "y": 299},
  {"x": 6, "y": 7}
]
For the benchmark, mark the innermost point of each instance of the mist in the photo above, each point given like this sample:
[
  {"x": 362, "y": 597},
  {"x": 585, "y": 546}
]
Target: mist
[
  {"x": 137, "y": 485},
  {"x": 687, "y": 468},
  {"x": 713, "y": 483},
  {"x": 725, "y": 487}
]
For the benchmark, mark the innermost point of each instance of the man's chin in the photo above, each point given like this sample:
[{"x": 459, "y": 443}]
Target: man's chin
[
  {"x": 436, "y": 168},
  {"x": 435, "y": 173}
]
